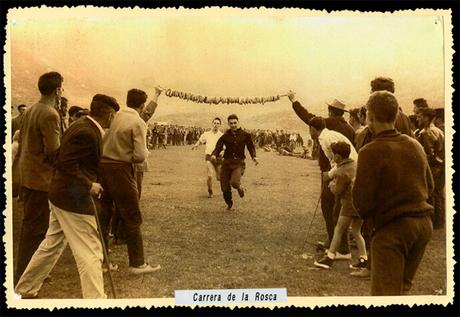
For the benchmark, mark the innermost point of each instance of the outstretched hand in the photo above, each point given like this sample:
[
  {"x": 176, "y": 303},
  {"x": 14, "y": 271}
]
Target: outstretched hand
[
  {"x": 256, "y": 162},
  {"x": 291, "y": 95}
]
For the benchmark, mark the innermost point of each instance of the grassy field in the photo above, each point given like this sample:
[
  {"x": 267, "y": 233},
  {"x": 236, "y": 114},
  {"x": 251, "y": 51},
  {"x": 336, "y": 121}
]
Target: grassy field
[{"x": 201, "y": 245}]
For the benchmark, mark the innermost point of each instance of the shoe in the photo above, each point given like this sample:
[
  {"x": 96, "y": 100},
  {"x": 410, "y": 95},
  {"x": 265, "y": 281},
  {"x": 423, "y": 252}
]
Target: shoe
[
  {"x": 143, "y": 269},
  {"x": 112, "y": 267},
  {"x": 241, "y": 191},
  {"x": 210, "y": 193},
  {"x": 340, "y": 256},
  {"x": 29, "y": 296},
  {"x": 363, "y": 273},
  {"x": 325, "y": 262},
  {"x": 229, "y": 205},
  {"x": 360, "y": 264}
]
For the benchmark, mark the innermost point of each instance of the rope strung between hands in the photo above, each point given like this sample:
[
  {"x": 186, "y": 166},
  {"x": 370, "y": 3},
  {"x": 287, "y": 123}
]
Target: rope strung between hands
[{"x": 219, "y": 100}]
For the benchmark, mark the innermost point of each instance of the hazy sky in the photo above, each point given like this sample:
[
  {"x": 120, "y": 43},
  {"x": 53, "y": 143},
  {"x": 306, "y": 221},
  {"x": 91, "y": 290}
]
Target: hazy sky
[{"x": 237, "y": 54}]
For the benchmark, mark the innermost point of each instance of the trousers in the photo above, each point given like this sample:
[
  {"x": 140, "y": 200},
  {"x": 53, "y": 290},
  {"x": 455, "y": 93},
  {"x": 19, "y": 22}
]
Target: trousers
[
  {"x": 397, "y": 249},
  {"x": 120, "y": 187},
  {"x": 80, "y": 232},
  {"x": 34, "y": 226},
  {"x": 230, "y": 176}
]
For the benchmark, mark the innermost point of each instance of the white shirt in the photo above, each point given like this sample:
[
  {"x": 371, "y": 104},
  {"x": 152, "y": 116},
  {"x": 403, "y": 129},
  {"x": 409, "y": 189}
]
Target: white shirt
[
  {"x": 327, "y": 137},
  {"x": 210, "y": 139}
]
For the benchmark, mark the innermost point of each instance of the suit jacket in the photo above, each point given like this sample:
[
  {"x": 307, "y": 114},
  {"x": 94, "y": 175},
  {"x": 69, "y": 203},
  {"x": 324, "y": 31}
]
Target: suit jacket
[
  {"x": 38, "y": 145},
  {"x": 76, "y": 167}
]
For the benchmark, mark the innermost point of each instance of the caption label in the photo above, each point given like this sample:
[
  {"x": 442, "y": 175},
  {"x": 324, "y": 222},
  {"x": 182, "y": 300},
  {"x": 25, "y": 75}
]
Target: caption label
[{"x": 223, "y": 296}]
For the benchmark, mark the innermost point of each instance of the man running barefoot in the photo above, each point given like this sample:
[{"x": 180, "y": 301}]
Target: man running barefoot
[
  {"x": 210, "y": 138},
  {"x": 235, "y": 140}
]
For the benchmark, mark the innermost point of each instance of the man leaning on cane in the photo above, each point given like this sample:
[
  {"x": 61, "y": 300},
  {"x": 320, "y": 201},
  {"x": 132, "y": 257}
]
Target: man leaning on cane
[{"x": 72, "y": 217}]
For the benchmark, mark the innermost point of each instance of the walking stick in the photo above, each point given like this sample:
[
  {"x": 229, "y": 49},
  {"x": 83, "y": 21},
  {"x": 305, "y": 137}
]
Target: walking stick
[
  {"x": 104, "y": 248},
  {"x": 311, "y": 223}
]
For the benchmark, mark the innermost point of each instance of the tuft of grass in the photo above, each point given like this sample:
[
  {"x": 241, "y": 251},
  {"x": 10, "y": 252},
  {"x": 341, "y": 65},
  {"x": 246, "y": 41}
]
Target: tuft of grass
[{"x": 201, "y": 245}]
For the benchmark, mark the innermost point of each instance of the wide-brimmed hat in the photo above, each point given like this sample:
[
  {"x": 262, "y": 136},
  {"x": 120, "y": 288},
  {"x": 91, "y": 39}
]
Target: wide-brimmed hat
[{"x": 337, "y": 104}]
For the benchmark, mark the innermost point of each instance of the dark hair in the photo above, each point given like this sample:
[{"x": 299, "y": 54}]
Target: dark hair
[
  {"x": 136, "y": 98},
  {"x": 336, "y": 111},
  {"x": 232, "y": 116},
  {"x": 101, "y": 105},
  {"x": 21, "y": 106},
  {"x": 49, "y": 82},
  {"x": 420, "y": 103},
  {"x": 383, "y": 105},
  {"x": 341, "y": 148},
  {"x": 318, "y": 123},
  {"x": 218, "y": 119},
  {"x": 74, "y": 109},
  {"x": 440, "y": 113},
  {"x": 354, "y": 113},
  {"x": 383, "y": 83},
  {"x": 428, "y": 112},
  {"x": 413, "y": 120}
]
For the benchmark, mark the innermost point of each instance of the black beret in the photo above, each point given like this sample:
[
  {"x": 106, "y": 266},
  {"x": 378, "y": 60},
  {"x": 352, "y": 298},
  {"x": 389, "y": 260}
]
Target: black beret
[{"x": 109, "y": 101}]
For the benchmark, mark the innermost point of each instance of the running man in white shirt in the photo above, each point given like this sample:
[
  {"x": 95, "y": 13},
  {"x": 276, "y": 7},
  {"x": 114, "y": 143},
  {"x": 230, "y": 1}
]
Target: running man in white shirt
[{"x": 210, "y": 138}]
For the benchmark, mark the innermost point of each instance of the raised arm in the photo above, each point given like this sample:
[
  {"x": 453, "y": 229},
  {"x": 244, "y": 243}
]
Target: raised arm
[
  {"x": 301, "y": 112},
  {"x": 149, "y": 110}
]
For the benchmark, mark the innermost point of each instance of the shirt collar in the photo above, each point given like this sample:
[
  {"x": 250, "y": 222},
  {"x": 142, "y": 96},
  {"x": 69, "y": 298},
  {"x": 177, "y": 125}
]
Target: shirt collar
[{"x": 97, "y": 125}]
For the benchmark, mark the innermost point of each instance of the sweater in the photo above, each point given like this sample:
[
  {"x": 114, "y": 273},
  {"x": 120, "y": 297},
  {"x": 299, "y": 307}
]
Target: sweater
[
  {"x": 234, "y": 142},
  {"x": 393, "y": 179}
]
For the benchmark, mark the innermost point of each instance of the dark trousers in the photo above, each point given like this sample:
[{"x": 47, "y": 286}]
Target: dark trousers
[
  {"x": 139, "y": 179},
  {"x": 330, "y": 207},
  {"x": 34, "y": 226},
  {"x": 230, "y": 176},
  {"x": 120, "y": 186},
  {"x": 438, "y": 198},
  {"x": 397, "y": 249}
]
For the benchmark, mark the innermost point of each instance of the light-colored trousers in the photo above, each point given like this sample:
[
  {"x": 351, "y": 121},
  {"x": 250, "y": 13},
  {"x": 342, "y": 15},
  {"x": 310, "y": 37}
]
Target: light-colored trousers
[{"x": 80, "y": 232}]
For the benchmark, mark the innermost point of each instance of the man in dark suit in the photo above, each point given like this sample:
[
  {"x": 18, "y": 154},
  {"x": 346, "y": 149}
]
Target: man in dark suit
[
  {"x": 38, "y": 146},
  {"x": 72, "y": 217}
]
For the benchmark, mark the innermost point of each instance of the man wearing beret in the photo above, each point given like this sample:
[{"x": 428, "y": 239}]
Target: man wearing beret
[{"x": 72, "y": 219}]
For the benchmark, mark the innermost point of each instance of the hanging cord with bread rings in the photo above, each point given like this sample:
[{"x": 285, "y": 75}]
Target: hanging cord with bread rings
[{"x": 219, "y": 100}]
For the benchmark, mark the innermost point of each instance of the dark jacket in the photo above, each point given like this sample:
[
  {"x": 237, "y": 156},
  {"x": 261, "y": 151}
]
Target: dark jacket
[
  {"x": 332, "y": 123},
  {"x": 77, "y": 167},
  {"x": 393, "y": 179},
  {"x": 38, "y": 145},
  {"x": 234, "y": 145}
]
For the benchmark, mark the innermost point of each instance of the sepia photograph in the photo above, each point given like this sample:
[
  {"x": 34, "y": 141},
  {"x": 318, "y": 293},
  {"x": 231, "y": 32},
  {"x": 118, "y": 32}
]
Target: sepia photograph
[{"x": 226, "y": 156}]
